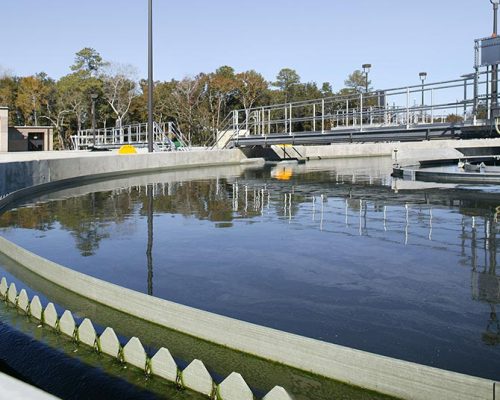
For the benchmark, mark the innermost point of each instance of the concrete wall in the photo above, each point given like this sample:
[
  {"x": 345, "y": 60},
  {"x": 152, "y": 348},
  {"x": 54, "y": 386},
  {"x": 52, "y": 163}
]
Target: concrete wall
[
  {"x": 4, "y": 129},
  {"x": 61, "y": 167},
  {"x": 408, "y": 152}
]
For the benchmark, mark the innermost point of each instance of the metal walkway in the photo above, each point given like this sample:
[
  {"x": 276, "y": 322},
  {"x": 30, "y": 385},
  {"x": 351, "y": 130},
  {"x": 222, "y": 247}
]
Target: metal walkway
[
  {"x": 443, "y": 110},
  {"x": 167, "y": 137}
]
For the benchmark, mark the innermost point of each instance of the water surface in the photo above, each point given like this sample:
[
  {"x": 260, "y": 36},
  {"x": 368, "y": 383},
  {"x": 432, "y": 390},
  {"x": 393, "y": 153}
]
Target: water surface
[{"x": 333, "y": 250}]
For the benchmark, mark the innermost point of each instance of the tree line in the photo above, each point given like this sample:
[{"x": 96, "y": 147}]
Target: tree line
[{"x": 198, "y": 104}]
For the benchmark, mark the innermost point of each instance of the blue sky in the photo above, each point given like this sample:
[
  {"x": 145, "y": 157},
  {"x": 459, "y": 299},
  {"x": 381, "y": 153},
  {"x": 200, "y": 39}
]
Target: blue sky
[{"x": 323, "y": 40}]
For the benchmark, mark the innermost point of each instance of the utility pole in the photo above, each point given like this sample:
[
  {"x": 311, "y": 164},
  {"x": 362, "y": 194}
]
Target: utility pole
[
  {"x": 494, "y": 70},
  {"x": 150, "y": 76}
]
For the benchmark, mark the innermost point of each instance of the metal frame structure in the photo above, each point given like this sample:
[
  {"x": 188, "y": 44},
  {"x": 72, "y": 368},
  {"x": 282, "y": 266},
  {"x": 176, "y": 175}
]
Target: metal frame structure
[
  {"x": 164, "y": 136},
  {"x": 432, "y": 107}
]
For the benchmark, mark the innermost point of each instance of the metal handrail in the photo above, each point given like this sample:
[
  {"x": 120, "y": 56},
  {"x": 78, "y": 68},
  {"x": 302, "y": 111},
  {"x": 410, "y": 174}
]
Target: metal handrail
[
  {"x": 135, "y": 134},
  {"x": 361, "y": 110}
]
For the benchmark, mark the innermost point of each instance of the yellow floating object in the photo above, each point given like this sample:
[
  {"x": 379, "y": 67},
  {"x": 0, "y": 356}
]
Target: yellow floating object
[
  {"x": 127, "y": 149},
  {"x": 284, "y": 175}
]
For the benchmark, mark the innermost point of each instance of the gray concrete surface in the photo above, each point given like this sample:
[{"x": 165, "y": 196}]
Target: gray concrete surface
[
  {"x": 408, "y": 152},
  {"x": 4, "y": 129},
  {"x": 109, "y": 343},
  {"x": 27, "y": 170},
  {"x": 134, "y": 353},
  {"x": 234, "y": 387},
  {"x": 13, "y": 389},
  {"x": 197, "y": 378}
]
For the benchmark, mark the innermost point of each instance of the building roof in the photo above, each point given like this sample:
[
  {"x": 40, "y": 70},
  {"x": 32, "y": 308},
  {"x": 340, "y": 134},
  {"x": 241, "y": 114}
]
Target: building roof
[{"x": 32, "y": 127}]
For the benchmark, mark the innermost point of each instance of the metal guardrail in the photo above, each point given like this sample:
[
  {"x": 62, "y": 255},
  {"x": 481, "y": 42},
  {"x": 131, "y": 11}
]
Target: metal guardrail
[
  {"x": 167, "y": 137},
  {"x": 458, "y": 102}
]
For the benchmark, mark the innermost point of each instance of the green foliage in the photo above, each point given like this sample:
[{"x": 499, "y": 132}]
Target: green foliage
[
  {"x": 287, "y": 82},
  {"x": 454, "y": 118},
  {"x": 88, "y": 61},
  {"x": 357, "y": 82},
  {"x": 199, "y": 105},
  {"x": 8, "y": 95}
]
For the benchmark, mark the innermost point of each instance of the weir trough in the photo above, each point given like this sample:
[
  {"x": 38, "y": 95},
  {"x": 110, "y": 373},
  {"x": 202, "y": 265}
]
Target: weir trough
[{"x": 194, "y": 377}]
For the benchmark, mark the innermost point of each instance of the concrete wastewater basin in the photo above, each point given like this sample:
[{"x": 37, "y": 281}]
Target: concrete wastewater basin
[{"x": 349, "y": 204}]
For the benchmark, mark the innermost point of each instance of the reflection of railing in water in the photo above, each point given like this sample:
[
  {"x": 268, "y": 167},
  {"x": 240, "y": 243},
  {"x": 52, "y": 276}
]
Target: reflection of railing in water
[
  {"x": 372, "y": 217},
  {"x": 486, "y": 282}
]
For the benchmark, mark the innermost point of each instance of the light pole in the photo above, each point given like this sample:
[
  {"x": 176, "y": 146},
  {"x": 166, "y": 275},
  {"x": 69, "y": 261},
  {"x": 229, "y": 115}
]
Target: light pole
[
  {"x": 494, "y": 69},
  {"x": 423, "y": 76},
  {"x": 150, "y": 76},
  {"x": 366, "y": 70},
  {"x": 93, "y": 98}
]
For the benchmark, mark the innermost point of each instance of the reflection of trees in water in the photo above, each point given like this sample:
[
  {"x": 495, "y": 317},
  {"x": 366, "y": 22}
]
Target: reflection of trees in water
[
  {"x": 89, "y": 217},
  {"x": 208, "y": 200},
  {"x": 363, "y": 201},
  {"x": 85, "y": 217}
]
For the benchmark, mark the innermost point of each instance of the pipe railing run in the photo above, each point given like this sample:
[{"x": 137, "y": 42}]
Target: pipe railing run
[
  {"x": 166, "y": 136},
  {"x": 465, "y": 101}
]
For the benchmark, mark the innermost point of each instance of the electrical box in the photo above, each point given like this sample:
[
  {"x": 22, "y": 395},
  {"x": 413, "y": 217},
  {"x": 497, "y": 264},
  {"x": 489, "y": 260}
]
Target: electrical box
[{"x": 490, "y": 51}]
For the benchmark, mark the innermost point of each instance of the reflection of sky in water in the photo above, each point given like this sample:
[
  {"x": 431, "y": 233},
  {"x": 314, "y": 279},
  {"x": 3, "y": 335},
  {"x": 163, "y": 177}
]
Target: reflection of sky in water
[{"x": 334, "y": 254}]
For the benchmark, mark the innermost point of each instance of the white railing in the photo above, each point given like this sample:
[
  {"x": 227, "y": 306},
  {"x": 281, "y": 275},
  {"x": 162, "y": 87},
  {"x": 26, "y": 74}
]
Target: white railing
[
  {"x": 166, "y": 137},
  {"x": 460, "y": 102}
]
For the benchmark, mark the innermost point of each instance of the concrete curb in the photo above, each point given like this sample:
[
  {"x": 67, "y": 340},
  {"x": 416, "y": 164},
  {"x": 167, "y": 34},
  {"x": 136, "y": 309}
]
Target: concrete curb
[{"x": 15, "y": 389}]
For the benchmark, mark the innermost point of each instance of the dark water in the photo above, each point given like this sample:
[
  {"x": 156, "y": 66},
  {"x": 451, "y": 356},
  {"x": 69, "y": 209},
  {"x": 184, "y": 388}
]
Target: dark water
[
  {"x": 335, "y": 251},
  {"x": 57, "y": 365}
]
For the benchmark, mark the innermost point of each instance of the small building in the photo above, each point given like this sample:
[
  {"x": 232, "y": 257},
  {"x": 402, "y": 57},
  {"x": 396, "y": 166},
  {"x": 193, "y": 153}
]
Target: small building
[{"x": 23, "y": 138}]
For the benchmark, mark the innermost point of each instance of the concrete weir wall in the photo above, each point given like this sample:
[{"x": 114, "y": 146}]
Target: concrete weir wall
[{"x": 382, "y": 374}]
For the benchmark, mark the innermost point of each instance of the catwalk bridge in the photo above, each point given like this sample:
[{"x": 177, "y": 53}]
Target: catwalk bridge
[{"x": 460, "y": 108}]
